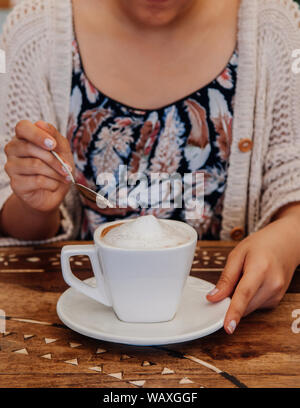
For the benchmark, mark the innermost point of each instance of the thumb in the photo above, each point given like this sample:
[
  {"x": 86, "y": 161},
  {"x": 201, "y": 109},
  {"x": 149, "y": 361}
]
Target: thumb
[{"x": 229, "y": 276}]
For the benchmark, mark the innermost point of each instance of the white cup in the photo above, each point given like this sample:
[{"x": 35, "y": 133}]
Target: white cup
[{"x": 141, "y": 285}]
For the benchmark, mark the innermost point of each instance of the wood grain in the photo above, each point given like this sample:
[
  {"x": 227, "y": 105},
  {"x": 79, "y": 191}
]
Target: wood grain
[
  {"x": 5, "y": 4},
  {"x": 264, "y": 352}
]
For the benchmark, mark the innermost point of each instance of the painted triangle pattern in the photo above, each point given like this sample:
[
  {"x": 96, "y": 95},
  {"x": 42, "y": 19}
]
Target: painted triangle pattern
[
  {"x": 22, "y": 351},
  {"x": 74, "y": 345},
  {"x": 186, "y": 380},
  {"x": 73, "y": 362},
  {"x": 138, "y": 383},
  {"x": 28, "y": 336},
  {"x": 100, "y": 351},
  {"x": 167, "y": 371},
  {"x": 119, "y": 376},
  {"x": 47, "y": 356},
  {"x": 147, "y": 363},
  {"x": 49, "y": 341},
  {"x": 97, "y": 368}
]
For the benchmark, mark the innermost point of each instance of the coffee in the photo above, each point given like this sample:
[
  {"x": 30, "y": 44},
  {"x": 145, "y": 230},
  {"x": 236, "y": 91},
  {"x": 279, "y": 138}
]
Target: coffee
[
  {"x": 141, "y": 266},
  {"x": 105, "y": 230},
  {"x": 146, "y": 232}
]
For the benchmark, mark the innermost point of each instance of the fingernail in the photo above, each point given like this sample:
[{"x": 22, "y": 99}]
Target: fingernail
[
  {"x": 68, "y": 178},
  {"x": 64, "y": 169},
  {"x": 49, "y": 143},
  {"x": 213, "y": 292},
  {"x": 231, "y": 326}
]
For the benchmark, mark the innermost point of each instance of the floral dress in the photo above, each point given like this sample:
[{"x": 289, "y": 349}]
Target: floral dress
[{"x": 191, "y": 135}]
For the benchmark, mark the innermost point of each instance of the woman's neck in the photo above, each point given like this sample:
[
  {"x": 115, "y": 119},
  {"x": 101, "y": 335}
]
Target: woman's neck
[
  {"x": 122, "y": 18},
  {"x": 147, "y": 18}
]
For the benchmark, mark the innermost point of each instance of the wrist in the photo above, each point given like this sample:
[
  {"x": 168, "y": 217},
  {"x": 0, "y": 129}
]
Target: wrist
[
  {"x": 290, "y": 234},
  {"x": 36, "y": 213},
  {"x": 50, "y": 220},
  {"x": 20, "y": 221}
]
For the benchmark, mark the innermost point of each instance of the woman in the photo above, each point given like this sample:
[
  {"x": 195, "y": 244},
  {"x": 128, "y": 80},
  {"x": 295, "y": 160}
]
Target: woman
[{"x": 112, "y": 91}]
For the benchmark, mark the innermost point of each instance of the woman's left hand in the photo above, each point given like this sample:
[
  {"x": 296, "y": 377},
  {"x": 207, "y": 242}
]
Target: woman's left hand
[{"x": 259, "y": 269}]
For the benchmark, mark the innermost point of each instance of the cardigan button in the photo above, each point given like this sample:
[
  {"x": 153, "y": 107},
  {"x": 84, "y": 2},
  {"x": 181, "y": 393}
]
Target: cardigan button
[
  {"x": 237, "y": 233},
  {"x": 245, "y": 145}
]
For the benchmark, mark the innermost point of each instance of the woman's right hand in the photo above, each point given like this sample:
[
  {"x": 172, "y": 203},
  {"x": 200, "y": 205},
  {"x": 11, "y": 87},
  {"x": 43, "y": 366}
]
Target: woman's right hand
[{"x": 37, "y": 178}]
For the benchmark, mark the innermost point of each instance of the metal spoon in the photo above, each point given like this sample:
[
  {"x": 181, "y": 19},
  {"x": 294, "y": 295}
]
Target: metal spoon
[{"x": 85, "y": 191}]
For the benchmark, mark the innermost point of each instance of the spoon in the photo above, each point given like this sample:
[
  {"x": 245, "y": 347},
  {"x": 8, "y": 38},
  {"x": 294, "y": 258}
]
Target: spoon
[{"x": 85, "y": 191}]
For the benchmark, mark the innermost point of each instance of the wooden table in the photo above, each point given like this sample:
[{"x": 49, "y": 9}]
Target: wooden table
[{"x": 37, "y": 350}]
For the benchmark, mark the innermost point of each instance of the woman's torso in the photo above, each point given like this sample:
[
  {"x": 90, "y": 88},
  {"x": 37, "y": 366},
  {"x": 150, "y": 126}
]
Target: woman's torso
[
  {"x": 118, "y": 72},
  {"x": 192, "y": 135}
]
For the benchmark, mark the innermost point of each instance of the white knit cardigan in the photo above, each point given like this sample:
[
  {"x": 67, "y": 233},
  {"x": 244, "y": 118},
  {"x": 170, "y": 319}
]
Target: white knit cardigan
[{"x": 37, "y": 40}]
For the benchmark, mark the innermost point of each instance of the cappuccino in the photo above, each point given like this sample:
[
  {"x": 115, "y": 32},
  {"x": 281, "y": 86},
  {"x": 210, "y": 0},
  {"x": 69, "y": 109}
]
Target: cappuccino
[
  {"x": 146, "y": 232},
  {"x": 141, "y": 266}
]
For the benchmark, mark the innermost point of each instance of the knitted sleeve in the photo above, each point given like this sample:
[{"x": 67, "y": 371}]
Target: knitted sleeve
[
  {"x": 24, "y": 89},
  {"x": 281, "y": 155}
]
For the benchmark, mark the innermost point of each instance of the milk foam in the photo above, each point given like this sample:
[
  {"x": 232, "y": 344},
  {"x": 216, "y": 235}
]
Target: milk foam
[{"x": 146, "y": 232}]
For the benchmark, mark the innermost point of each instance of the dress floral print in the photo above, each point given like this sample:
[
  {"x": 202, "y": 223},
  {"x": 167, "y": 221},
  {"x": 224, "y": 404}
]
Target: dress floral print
[{"x": 192, "y": 135}]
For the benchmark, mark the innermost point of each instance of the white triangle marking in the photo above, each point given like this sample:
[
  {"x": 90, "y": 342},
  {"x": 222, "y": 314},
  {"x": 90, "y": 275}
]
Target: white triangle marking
[
  {"x": 22, "y": 351},
  {"x": 100, "y": 350},
  {"x": 73, "y": 362},
  {"x": 138, "y": 383},
  {"x": 73, "y": 345},
  {"x": 47, "y": 356},
  {"x": 48, "y": 341},
  {"x": 97, "y": 368},
  {"x": 116, "y": 375},
  {"x": 167, "y": 371},
  {"x": 28, "y": 336},
  {"x": 186, "y": 380}
]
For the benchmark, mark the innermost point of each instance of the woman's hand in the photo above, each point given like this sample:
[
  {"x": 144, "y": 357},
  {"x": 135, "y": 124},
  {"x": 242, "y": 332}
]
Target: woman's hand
[
  {"x": 37, "y": 178},
  {"x": 260, "y": 268}
]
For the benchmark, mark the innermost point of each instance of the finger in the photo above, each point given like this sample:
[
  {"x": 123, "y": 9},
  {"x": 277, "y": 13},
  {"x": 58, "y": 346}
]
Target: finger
[
  {"x": 270, "y": 303},
  {"x": 244, "y": 293},
  {"x": 32, "y": 166},
  {"x": 25, "y": 130},
  {"x": 62, "y": 144},
  {"x": 263, "y": 300},
  {"x": 27, "y": 184},
  {"x": 22, "y": 149},
  {"x": 229, "y": 276}
]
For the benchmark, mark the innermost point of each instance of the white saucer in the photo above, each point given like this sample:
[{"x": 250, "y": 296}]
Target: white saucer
[{"x": 195, "y": 318}]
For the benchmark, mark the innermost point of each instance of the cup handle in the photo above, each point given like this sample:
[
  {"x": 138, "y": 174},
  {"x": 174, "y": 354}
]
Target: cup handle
[{"x": 98, "y": 293}]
